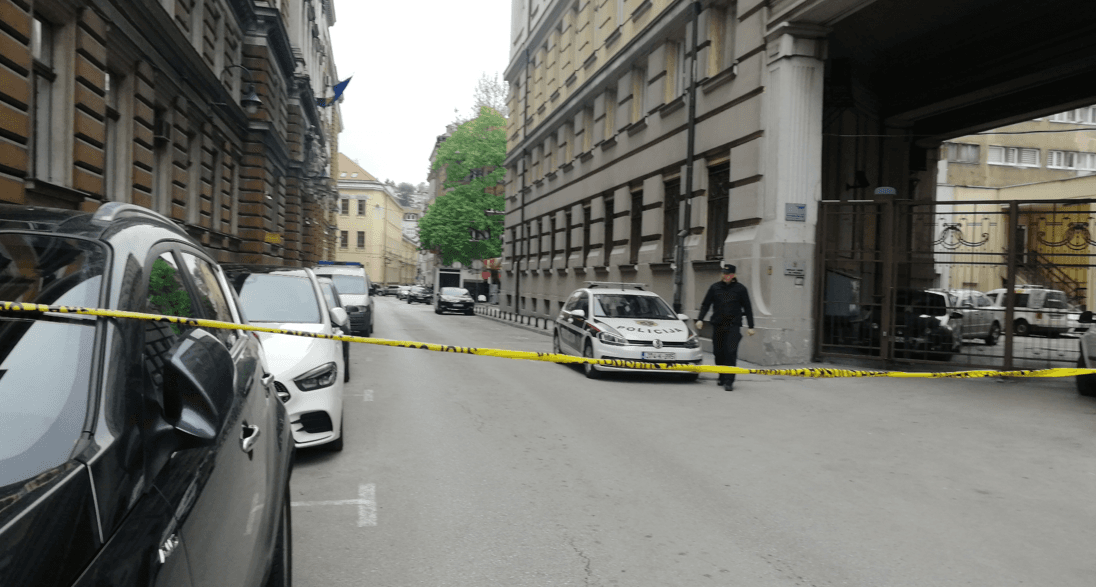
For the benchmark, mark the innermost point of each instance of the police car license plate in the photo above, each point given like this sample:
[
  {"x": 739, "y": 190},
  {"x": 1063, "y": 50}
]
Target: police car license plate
[{"x": 658, "y": 356}]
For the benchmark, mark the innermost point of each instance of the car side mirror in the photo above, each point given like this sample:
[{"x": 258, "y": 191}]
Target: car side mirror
[
  {"x": 339, "y": 316},
  {"x": 1086, "y": 317},
  {"x": 199, "y": 380},
  {"x": 578, "y": 314},
  {"x": 956, "y": 315},
  {"x": 683, "y": 317}
]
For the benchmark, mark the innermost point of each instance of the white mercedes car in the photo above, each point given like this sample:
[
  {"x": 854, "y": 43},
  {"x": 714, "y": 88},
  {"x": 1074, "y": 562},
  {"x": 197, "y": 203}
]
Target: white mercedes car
[
  {"x": 307, "y": 371},
  {"x": 610, "y": 320}
]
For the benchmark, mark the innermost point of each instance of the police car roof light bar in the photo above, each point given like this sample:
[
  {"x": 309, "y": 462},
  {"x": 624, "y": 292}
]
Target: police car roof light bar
[
  {"x": 616, "y": 284},
  {"x": 348, "y": 263}
]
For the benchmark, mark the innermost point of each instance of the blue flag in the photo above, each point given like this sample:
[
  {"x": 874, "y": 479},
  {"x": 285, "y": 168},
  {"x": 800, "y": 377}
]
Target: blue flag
[{"x": 338, "y": 89}]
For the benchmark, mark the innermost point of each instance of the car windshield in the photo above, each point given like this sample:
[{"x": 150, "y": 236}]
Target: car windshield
[
  {"x": 632, "y": 306},
  {"x": 454, "y": 291},
  {"x": 267, "y": 297},
  {"x": 349, "y": 284},
  {"x": 41, "y": 417},
  {"x": 922, "y": 303}
]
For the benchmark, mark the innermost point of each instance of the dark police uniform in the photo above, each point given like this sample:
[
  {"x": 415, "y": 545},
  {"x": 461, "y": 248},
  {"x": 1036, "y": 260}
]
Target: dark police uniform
[{"x": 730, "y": 302}]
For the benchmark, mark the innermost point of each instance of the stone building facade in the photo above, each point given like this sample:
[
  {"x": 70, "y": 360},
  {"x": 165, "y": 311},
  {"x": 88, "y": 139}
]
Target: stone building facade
[{"x": 145, "y": 102}]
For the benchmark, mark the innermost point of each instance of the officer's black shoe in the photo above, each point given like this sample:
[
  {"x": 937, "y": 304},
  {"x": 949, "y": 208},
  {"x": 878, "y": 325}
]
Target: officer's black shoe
[{"x": 728, "y": 386}]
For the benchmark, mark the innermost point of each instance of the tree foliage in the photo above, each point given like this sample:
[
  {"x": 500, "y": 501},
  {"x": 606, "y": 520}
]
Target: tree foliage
[
  {"x": 472, "y": 158},
  {"x": 489, "y": 92}
]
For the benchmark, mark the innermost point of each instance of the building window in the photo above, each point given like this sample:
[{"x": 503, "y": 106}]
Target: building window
[
  {"x": 567, "y": 238},
  {"x": 636, "y": 238},
  {"x": 42, "y": 49},
  {"x": 1071, "y": 160},
  {"x": 1015, "y": 156},
  {"x": 1085, "y": 115},
  {"x": 361, "y": 207},
  {"x": 962, "y": 153},
  {"x": 345, "y": 203},
  {"x": 343, "y": 236},
  {"x": 670, "y": 216},
  {"x": 608, "y": 247},
  {"x": 361, "y": 239},
  {"x": 639, "y": 93},
  {"x": 585, "y": 233},
  {"x": 719, "y": 191}
]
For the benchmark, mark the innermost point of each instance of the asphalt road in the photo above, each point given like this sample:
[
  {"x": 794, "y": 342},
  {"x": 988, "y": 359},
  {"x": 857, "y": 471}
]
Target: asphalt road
[{"x": 475, "y": 471}]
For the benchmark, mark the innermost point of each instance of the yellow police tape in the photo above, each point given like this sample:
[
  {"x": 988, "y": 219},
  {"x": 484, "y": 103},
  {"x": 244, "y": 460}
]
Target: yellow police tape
[{"x": 549, "y": 357}]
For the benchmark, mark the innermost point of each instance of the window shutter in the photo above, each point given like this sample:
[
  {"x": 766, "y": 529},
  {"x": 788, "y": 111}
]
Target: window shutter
[
  {"x": 996, "y": 155},
  {"x": 1029, "y": 157}
]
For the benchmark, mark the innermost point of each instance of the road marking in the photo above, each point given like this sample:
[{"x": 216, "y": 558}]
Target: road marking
[{"x": 366, "y": 502}]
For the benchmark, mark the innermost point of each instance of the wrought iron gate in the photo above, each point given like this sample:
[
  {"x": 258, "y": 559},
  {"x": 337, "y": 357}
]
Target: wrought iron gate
[{"x": 976, "y": 283}]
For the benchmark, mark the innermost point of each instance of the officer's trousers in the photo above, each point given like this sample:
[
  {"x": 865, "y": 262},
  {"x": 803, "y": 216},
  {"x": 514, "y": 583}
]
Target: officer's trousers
[{"x": 725, "y": 347}]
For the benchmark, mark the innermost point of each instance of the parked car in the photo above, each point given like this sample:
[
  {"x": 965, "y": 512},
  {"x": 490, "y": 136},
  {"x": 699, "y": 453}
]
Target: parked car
[
  {"x": 354, "y": 291},
  {"x": 454, "y": 299},
  {"x": 979, "y": 320},
  {"x": 401, "y": 291},
  {"x": 419, "y": 293},
  {"x": 926, "y": 326},
  {"x": 1036, "y": 310},
  {"x": 131, "y": 450},
  {"x": 624, "y": 321},
  {"x": 331, "y": 296},
  {"x": 392, "y": 290},
  {"x": 306, "y": 370}
]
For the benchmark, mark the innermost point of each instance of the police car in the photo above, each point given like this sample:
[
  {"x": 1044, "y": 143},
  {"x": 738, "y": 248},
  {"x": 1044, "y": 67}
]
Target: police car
[{"x": 623, "y": 321}]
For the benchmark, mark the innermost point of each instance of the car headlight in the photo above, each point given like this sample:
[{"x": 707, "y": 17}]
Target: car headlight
[
  {"x": 693, "y": 342},
  {"x": 610, "y": 338},
  {"x": 322, "y": 376}
]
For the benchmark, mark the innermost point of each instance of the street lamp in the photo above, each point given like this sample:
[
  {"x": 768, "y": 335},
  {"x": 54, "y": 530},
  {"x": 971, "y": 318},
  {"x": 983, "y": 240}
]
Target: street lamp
[{"x": 250, "y": 101}]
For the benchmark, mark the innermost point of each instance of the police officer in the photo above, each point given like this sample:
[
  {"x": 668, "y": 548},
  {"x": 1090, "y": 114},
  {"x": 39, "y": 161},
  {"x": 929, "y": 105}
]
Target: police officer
[{"x": 730, "y": 302}]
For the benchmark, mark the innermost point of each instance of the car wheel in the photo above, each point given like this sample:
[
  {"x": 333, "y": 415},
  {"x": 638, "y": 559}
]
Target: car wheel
[
  {"x": 281, "y": 567},
  {"x": 337, "y": 445},
  {"x": 1086, "y": 384},
  {"x": 994, "y": 334},
  {"x": 470, "y": 312},
  {"x": 590, "y": 370},
  {"x": 346, "y": 361},
  {"x": 1021, "y": 328},
  {"x": 437, "y": 310},
  {"x": 690, "y": 377}
]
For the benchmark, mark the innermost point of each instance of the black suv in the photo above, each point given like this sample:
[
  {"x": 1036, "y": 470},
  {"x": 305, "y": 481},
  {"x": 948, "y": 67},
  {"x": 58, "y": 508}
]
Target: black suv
[{"x": 131, "y": 451}]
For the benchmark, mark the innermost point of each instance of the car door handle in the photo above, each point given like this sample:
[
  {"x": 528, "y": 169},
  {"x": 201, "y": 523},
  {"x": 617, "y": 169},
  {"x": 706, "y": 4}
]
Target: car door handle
[{"x": 248, "y": 437}]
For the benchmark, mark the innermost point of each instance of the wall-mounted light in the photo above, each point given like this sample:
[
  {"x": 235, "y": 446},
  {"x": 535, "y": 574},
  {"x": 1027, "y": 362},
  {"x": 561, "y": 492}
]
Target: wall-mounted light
[{"x": 250, "y": 100}]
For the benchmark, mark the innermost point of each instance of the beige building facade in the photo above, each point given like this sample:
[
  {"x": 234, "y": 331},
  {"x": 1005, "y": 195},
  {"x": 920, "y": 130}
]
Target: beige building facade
[
  {"x": 597, "y": 151},
  {"x": 1050, "y": 159},
  {"x": 370, "y": 227}
]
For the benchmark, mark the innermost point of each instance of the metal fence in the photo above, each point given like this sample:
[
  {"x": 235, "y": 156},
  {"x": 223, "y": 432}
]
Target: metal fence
[{"x": 975, "y": 283}]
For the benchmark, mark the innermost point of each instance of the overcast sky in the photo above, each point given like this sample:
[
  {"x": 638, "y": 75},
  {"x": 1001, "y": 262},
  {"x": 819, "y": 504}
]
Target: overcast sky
[{"x": 412, "y": 63}]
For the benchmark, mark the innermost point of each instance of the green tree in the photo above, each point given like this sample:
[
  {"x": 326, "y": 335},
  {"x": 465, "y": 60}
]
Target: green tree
[{"x": 472, "y": 159}]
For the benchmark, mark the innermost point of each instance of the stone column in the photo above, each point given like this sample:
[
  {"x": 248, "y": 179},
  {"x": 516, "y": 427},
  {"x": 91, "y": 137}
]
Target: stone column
[{"x": 770, "y": 254}]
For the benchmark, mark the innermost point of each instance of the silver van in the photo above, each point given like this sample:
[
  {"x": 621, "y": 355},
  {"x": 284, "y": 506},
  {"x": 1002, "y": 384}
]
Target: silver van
[{"x": 354, "y": 290}]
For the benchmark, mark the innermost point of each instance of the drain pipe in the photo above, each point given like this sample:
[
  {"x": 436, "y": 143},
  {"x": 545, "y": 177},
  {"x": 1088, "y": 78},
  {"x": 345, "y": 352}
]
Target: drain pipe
[{"x": 685, "y": 208}]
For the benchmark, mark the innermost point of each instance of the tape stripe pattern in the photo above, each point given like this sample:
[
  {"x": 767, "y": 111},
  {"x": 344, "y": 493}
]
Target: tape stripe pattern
[{"x": 548, "y": 357}]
